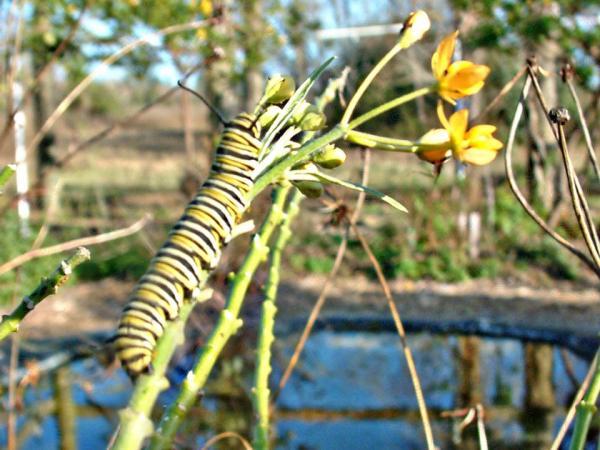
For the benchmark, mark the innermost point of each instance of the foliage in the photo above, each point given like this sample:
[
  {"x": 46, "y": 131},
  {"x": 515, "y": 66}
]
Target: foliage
[{"x": 12, "y": 244}]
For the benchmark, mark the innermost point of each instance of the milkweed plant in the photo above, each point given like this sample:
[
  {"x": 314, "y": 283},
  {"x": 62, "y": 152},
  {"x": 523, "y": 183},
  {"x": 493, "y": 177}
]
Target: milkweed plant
[{"x": 297, "y": 150}]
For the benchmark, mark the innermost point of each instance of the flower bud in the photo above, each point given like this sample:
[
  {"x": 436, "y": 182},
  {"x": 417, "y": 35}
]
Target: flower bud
[
  {"x": 269, "y": 115},
  {"x": 279, "y": 88},
  {"x": 312, "y": 189},
  {"x": 415, "y": 26},
  {"x": 308, "y": 117},
  {"x": 330, "y": 157}
]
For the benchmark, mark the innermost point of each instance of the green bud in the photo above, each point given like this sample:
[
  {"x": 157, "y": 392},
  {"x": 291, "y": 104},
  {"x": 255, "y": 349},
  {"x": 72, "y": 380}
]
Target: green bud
[
  {"x": 279, "y": 88},
  {"x": 312, "y": 189},
  {"x": 308, "y": 117},
  {"x": 330, "y": 157},
  {"x": 269, "y": 115}
]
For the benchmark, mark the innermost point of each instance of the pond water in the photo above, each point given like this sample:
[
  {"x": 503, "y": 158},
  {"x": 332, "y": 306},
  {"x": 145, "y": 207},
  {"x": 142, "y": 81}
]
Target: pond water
[{"x": 351, "y": 390}]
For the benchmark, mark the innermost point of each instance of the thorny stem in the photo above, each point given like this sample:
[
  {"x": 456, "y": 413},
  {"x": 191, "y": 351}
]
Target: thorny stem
[
  {"x": 573, "y": 408},
  {"x": 519, "y": 195},
  {"x": 402, "y": 333},
  {"x": 135, "y": 422},
  {"x": 48, "y": 286},
  {"x": 267, "y": 324},
  {"x": 227, "y": 325},
  {"x": 586, "y": 410}
]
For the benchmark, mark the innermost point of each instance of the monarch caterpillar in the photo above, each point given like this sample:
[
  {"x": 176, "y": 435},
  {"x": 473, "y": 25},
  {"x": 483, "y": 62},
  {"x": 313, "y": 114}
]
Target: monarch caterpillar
[{"x": 193, "y": 246}]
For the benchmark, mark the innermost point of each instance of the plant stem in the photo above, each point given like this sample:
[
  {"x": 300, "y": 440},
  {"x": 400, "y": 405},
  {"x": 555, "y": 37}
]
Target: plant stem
[
  {"x": 262, "y": 392},
  {"x": 48, "y": 286},
  {"x": 381, "y": 142},
  {"x": 390, "y": 105},
  {"x": 367, "y": 82},
  {"x": 226, "y": 326},
  {"x": 585, "y": 412},
  {"x": 303, "y": 152},
  {"x": 136, "y": 424}
]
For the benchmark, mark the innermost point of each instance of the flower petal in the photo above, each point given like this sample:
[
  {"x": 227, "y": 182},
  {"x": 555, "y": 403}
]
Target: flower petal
[
  {"x": 443, "y": 55},
  {"x": 478, "y": 130},
  {"x": 478, "y": 157},
  {"x": 436, "y": 136},
  {"x": 458, "y": 124}
]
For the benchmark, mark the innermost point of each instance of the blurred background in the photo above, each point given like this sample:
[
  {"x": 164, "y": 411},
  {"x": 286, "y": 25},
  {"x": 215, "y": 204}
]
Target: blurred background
[{"x": 465, "y": 260}]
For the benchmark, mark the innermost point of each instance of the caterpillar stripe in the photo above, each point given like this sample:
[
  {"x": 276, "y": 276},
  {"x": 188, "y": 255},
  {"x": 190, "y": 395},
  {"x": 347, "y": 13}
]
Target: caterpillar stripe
[{"x": 193, "y": 247}]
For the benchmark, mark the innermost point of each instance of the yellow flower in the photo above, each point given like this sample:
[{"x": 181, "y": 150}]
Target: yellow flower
[
  {"x": 475, "y": 146},
  {"x": 456, "y": 79},
  {"x": 205, "y": 7}
]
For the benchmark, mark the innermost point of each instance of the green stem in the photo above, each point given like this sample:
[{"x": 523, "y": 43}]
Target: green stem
[
  {"x": 262, "y": 392},
  {"x": 48, "y": 286},
  {"x": 585, "y": 411},
  {"x": 390, "y": 105},
  {"x": 381, "y": 142},
  {"x": 367, "y": 82},
  {"x": 226, "y": 326},
  {"x": 302, "y": 153},
  {"x": 136, "y": 424}
]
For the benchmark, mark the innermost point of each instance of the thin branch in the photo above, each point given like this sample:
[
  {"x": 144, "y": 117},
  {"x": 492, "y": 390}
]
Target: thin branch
[
  {"x": 40, "y": 75},
  {"x": 102, "y": 67},
  {"x": 47, "y": 287},
  {"x": 580, "y": 207},
  {"x": 519, "y": 195},
  {"x": 122, "y": 123},
  {"x": 483, "y": 443},
  {"x": 316, "y": 310},
  {"x": 505, "y": 90},
  {"x": 573, "y": 408},
  {"x": 227, "y": 434},
  {"x": 402, "y": 333},
  {"x": 69, "y": 245},
  {"x": 568, "y": 78}
]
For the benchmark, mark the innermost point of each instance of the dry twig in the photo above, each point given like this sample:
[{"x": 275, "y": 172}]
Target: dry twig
[{"x": 69, "y": 245}]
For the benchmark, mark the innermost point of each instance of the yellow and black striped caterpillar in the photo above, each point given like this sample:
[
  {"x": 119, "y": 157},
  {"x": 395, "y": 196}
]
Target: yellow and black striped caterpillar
[{"x": 193, "y": 247}]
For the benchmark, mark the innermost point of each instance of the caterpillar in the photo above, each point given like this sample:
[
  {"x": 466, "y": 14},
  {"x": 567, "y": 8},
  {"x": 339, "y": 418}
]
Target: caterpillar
[{"x": 193, "y": 246}]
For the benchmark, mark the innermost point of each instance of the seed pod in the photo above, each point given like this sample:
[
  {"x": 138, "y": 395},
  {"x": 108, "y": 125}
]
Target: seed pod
[
  {"x": 267, "y": 117},
  {"x": 308, "y": 117},
  {"x": 279, "y": 88},
  {"x": 330, "y": 157},
  {"x": 312, "y": 189}
]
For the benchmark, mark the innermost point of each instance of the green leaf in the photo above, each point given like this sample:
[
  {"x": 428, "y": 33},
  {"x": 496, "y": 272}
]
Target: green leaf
[
  {"x": 359, "y": 187},
  {"x": 290, "y": 106},
  {"x": 6, "y": 173}
]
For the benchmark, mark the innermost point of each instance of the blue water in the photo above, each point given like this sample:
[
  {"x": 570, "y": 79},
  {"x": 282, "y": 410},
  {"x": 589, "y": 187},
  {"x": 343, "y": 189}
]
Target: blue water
[{"x": 338, "y": 373}]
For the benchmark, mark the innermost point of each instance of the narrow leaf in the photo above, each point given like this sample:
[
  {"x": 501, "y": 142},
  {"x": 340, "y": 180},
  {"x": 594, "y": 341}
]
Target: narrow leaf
[
  {"x": 6, "y": 173},
  {"x": 359, "y": 187}
]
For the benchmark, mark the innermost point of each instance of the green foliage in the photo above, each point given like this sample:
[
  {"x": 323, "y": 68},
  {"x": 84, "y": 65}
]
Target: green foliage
[
  {"x": 126, "y": 264},
  {"x": 20, "y": 282}
]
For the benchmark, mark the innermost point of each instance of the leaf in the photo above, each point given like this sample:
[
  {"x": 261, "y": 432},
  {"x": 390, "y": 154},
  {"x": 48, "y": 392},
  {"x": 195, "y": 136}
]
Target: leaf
[
  {"x": 360, "y": 188},
  {"x": 6, "y": 173},
  {"x": 295, "y": 100}
]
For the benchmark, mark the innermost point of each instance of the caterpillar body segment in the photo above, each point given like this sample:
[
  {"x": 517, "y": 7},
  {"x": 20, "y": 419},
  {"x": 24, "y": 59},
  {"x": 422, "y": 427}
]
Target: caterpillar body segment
[{"x": 193, "y": 246}]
